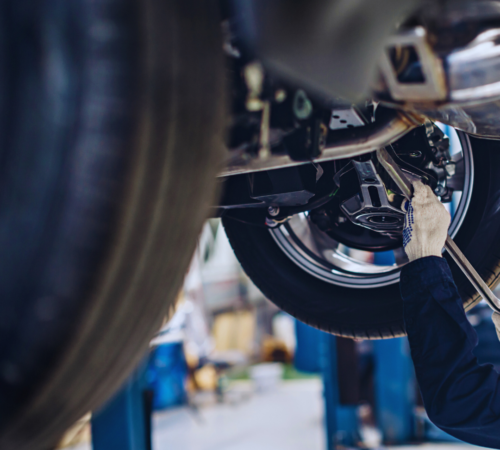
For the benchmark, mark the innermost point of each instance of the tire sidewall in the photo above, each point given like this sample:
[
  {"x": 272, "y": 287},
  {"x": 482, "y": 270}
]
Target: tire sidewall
[{"x": 377, "y": 312}]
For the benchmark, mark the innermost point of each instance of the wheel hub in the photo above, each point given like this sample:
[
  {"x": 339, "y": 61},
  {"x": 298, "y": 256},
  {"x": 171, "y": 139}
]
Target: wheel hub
[
  {"x": 326, "y": 242},
  {"x": 372, "y": 207}
]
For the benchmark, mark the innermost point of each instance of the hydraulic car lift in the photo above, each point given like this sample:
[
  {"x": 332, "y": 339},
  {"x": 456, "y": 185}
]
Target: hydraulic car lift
[{"x": 124, "y": 423}]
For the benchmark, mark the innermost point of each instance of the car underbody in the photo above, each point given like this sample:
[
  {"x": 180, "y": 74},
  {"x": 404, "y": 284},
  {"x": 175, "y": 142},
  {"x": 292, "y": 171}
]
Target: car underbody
[{"x": 294, "y": 149}]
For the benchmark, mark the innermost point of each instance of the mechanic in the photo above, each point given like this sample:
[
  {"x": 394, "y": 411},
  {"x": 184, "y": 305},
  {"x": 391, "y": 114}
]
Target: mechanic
[{"x": 461, "y": 397}]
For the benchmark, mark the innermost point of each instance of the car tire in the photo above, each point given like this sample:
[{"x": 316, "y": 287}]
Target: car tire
[
  {"x": 111, "y": 120},
  {"x": 375, "y": 313}
]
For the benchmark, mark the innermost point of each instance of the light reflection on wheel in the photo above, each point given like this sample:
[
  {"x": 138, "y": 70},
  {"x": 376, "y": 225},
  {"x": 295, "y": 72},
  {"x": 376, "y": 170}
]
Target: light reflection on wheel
[{"x": 325, "y": 258}]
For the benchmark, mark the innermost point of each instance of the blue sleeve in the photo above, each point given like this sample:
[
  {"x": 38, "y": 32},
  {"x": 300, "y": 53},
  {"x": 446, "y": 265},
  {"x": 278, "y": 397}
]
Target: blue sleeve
[{"x": 461, "y": 397}]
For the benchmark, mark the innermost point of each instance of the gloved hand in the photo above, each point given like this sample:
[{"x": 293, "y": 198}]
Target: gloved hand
[{"x": 426, "y": 224}]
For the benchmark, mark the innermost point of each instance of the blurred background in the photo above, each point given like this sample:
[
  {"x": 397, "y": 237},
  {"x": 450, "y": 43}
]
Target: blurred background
[
  {"x": 120, "y": 119},
  {"x": 232, "y": 371}
]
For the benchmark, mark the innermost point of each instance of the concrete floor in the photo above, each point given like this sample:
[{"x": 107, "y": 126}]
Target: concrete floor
[{"x": 289, "y": 417}]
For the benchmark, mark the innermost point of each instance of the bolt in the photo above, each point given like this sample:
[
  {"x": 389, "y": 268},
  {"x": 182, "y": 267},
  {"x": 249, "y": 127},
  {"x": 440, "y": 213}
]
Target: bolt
[
  {"x": 450, "y": 168},
  {"x": 254, "y": 79},
  {"x": 273, "y": 211},
  {"x": 254, "y": 104},
  {"x": 264, "y": 147},
  {"x": 440, "y": 190},
  {"x": 271, "y": 223},
  {"x": 280, "y": 95}
]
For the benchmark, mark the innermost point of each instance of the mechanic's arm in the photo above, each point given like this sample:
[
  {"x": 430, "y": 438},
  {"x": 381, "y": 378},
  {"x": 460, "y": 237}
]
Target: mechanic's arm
[{"x": 461, "y": 397}]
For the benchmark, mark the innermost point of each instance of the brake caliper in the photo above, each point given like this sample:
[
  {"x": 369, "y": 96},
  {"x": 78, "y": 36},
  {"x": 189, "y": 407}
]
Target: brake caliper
[{"x": 374, "y": 207}]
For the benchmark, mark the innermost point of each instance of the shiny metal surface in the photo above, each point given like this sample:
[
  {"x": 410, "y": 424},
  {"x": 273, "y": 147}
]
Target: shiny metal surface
[
  {"x": 348, "y": 143},
  {"x": 395, "y": 172},
  {"x": 473, "y": 79},
  {"x": 346, "y": 117},
  {"x": 326, "y": 259},
  {"x": 472, "y": 71},
  {"x": 462, "y": 81},
  {"x": 404, "y": 184},
  {"x": 329, "y": 260},
  {"x": 481, "y": 119},
  {"x": 461, "y": 75}
]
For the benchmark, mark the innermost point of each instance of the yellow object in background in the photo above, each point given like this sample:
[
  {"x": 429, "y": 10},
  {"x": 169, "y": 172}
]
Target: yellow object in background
[
  {"x": 275, "y": 350},
  {"x": 206, "y": 378},
  {"x": 235, "y": 331}
]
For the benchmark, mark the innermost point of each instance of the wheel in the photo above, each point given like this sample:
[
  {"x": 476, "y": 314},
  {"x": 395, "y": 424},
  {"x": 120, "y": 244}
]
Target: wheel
[
  {"x": 111, "y": 116},
  {"x": 325, "y": 284}
]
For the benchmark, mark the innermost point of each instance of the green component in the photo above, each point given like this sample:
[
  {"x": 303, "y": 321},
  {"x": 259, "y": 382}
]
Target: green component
[{"x": 302, "y": 106}]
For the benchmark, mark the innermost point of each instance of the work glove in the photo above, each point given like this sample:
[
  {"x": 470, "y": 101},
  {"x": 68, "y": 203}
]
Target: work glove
[{"x": 426, "y": 224}]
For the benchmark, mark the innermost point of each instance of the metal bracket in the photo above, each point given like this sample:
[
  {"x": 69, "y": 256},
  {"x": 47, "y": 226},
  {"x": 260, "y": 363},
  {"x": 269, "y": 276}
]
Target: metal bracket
[
  {"x": 346, "y": 117},
  {"x": 433, "y": 87},
  {"x": 372, "y": 209}
]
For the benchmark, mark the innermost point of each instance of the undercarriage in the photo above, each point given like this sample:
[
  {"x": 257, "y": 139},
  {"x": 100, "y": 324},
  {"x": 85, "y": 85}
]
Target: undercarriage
[
  {"x": 302, "y": 162},
  {"x": 295, "y": 150},
  {"x": 116, "y": 116}
]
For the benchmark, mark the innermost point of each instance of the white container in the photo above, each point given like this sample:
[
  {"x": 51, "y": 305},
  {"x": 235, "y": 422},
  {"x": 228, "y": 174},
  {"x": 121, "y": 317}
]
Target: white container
[{"x": 266, "y": 376}]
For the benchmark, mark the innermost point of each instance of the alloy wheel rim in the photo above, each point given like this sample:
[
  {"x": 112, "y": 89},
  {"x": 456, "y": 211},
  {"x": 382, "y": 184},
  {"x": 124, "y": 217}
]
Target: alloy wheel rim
[{"x": 321, "y": 256}]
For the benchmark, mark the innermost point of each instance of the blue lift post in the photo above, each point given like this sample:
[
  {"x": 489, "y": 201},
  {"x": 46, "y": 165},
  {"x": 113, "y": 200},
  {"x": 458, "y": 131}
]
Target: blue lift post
[
  {"x": 124, "y": 423},
  {"x": 395, "y": 382},
  {"x": 341, "y": 421},
  {"x": 330, "y": 387},
  {"x": 316, "y": 352},
  {"x": 395, "y": 393}
]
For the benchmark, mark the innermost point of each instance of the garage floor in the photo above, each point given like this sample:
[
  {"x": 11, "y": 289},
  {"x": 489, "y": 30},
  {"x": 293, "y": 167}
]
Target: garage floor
[{"x": 290, "y": 417}]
